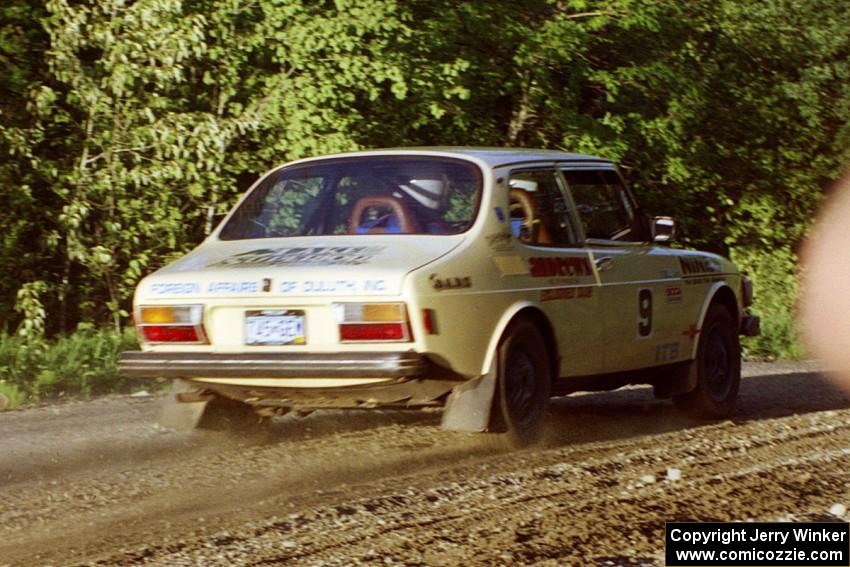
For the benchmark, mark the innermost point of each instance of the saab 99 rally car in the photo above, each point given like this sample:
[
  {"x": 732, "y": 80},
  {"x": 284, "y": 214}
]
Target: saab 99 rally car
[{"x": 483, "y": 281}]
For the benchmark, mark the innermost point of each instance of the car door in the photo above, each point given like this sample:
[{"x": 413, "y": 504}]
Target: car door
[
  {"x": 559, "y": 276},
  {"x": 641, "y": 291}
]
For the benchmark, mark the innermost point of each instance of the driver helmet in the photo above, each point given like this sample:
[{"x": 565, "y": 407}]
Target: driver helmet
[{"x": 428, "y": 188}]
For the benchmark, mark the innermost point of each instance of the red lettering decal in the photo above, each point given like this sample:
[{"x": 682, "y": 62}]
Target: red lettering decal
[
  {"x": 560, "y": 266},
  {"x": 536, "y": 267}
]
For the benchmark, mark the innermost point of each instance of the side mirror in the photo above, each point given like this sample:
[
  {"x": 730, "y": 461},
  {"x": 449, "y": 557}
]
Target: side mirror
[{"x": 663, "y": 229}]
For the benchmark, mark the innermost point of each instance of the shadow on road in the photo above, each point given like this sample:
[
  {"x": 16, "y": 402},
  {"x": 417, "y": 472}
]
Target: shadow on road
[
  {"x": 587, "y": 418},
  {"x": 595, "y": 417}
]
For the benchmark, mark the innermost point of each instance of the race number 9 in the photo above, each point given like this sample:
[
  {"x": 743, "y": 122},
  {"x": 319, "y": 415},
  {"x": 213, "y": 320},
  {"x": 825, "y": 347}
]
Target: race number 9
[{"x": 644, "y": 312}]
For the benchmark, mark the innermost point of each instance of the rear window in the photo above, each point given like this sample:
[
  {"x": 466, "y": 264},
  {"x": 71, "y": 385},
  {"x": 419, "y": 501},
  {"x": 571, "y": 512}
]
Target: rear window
[{"x": 361, "y": 196}]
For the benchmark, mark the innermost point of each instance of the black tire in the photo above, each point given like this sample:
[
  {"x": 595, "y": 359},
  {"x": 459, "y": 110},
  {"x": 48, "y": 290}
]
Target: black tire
[
  {"x": 224, "y": 414},
  {"x": 523, "y": 387},
  {"x": 718, "y": 366}
]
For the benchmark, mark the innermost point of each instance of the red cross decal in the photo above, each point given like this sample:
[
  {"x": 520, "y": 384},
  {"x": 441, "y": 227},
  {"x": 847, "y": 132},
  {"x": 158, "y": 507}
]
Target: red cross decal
[{"x": 691, "y": 332}]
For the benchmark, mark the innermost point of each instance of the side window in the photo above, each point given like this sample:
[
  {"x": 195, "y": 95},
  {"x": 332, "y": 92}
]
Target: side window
[
  {"x": 603, "y": 205},
  {"x": 538, "y": 212}
]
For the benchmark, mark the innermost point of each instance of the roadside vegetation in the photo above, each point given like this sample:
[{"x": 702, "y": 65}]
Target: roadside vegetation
[
  {"x": 129, "y": 128},
  {"x": 80, "y": 364}
]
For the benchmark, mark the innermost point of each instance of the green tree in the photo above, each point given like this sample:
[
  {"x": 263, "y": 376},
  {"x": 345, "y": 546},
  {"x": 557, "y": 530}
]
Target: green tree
[
  {"x": 22, "y": 46},
  {"x": 154, "y": 110}
]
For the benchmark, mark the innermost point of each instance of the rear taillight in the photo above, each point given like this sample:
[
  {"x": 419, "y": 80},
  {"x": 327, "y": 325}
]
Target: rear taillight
[
  {"x": 168, "y": 334},
  {"x": 171, "y": 323},
  {"x": 362, "y": 322},
  {"x": 373, "y": 332}
]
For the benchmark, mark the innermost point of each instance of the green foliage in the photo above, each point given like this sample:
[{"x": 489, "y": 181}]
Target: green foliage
[
  {"x": 148, "y": 115},
  {"x": 19, "y": 362},
  {"x": 32, "y": 311},
  {"x": 11, "y": 396},
  {"x": 80, "y": 364},
  {"x": 776, "y": 288}
]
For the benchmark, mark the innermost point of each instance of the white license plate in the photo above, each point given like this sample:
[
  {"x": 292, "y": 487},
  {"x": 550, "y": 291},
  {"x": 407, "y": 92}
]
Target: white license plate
[{"x": 274, "y": 327}]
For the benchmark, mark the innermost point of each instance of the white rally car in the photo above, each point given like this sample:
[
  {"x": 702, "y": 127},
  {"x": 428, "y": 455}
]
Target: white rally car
[{"x": 483, "y": 281}]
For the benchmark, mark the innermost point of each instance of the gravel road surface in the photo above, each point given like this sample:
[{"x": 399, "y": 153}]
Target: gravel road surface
[{"x": 100, "y": 483}]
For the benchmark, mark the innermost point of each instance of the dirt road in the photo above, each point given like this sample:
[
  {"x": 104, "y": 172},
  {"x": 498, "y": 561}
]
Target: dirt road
[{"x": 98, "y": 482}]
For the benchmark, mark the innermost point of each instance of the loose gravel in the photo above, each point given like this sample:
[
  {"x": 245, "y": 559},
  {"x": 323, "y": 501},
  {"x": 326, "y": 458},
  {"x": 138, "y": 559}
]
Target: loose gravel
[{"x": 99, "y": 483}]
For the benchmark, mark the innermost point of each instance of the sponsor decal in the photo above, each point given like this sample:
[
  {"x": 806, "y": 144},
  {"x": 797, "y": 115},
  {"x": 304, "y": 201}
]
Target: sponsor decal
[
  {"x": 287, "y": 286},
  {"x": 307, "y": 256},
  {"x": 233, "y": 287},
  {"x": 500, "y": 240},
  {"x": 333, "y": 286},
  {"x": 329, "y": 286},
  {"x": 566, "y": 293},
  {"x": 701, "y": 280},
  {"x": 673, "y": 294},
  {"x": 667, "y": 352},
  {"x": 560, "y": 266},
  {"x": 444, "y": 284},
  {"x": 696, "y": 265},
  {"x": 691, "y": 332},
  {"x": 175, "y": 288}
]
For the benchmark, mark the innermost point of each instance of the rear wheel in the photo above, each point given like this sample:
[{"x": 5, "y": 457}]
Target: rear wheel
[
  {"x": 718, "y": 368},
  {"x": 522, "y": 388}
]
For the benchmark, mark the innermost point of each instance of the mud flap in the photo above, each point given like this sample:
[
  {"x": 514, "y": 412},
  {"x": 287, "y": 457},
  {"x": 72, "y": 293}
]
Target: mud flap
[
  {"x": 182, "y": 415},
  {"x": 684, "y": 379},
  {"x": 468, "y": 406}
]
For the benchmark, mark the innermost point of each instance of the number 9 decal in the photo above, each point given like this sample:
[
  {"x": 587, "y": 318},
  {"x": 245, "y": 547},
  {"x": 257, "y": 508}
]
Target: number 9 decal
[{"x": 644, "y": 313}]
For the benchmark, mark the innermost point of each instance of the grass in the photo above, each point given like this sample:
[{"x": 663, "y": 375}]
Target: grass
[{"x": 81, "y": 364}]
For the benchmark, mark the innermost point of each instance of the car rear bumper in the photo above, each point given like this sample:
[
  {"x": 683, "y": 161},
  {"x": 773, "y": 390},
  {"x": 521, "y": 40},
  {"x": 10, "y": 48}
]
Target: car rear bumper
[{"x": 135, "y": 364}]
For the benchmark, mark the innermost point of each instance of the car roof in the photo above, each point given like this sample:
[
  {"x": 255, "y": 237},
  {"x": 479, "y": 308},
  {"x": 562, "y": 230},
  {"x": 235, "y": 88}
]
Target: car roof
[{"x": 493, "y": 157}]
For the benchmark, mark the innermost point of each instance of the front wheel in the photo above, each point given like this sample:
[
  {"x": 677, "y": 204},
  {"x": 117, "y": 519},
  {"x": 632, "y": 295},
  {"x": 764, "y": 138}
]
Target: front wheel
[
  {"x": 522, "y": 388},
  {"x": 718, "y": 366}
]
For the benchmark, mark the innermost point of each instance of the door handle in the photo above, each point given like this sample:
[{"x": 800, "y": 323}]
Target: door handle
[{"x": 604, "y": 263}]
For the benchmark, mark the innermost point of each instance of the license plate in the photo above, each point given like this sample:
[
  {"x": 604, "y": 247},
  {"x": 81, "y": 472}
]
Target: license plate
[{"x": 274, "y": 327}]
